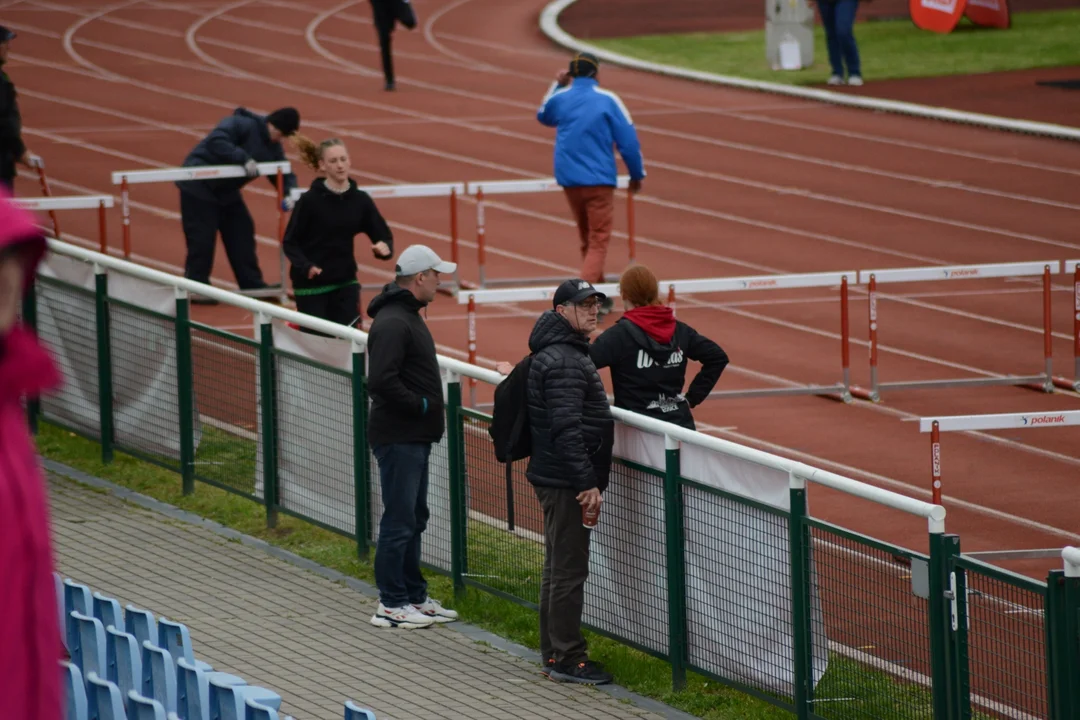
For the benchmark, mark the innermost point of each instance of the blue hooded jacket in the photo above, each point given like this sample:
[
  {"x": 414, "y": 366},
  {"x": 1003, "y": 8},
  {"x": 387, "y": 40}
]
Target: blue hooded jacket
[{"x": 589, "y": 122}]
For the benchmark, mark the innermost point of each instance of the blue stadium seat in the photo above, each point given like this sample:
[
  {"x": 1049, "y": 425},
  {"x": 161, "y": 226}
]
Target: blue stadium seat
[
  {"x": 256, "y": 711},
  {"x": 107, "y": 610},
  {"x": 74, "y": 692},
  {"x": 61, "y": 606},
  {"x": 141, "y": 624},
  {"x": 227, "y": 701},
  {"x": 88, "y": 645},
  {"x": 159, "y": 675},
  {"x": 174, "y": 637},
  {"x": 76, "y": 597},
  {"x": 193, "y": 689},
  {"x": 140, "y": 707},
  {"x": 123, "y": 659},
  {"x": 105, "y": 700},
  {"x": 355, "y": 712}
]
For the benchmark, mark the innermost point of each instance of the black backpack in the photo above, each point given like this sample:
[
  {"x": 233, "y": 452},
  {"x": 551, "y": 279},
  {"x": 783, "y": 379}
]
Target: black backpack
[{"x": 509, "y": 428}]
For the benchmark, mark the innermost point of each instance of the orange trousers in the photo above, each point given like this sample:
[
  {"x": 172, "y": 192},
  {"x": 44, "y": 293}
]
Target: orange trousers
[{"x": 593, "y": 209}]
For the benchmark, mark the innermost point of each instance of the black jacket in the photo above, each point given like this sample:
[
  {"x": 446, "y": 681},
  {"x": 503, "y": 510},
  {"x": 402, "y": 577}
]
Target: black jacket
[
  {"x": 403, "y": 371},
  {"x": 238, "y": 138},
  {"x": 321, "y": 231},
  {"x": 648, "y": 376},
  {"x": 572, "y": 427},
  {"x": 11, "y": 143}
]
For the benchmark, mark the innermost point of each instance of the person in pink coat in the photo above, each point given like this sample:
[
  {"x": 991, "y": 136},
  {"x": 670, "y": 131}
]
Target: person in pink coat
[{"x": 30, "y": 644}]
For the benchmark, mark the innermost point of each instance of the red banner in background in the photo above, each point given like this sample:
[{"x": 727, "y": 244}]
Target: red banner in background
[
  {"x": 989, "y": 13},
  {"x": 939, "y": 16}
]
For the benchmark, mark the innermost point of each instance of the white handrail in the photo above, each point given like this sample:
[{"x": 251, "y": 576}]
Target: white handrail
[
  {"x": 1071, "y": 556},
  {"x": 935, "y": 514}
]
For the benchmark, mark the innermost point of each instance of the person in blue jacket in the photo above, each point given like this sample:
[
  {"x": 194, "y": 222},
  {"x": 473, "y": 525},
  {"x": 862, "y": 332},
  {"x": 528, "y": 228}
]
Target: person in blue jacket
[
  {"x": 211, "y": 206},
  {"x": 589, "y": 121}
]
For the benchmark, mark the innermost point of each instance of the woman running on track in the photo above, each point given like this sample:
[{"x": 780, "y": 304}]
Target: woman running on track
[{"x": 319, "y": 237}]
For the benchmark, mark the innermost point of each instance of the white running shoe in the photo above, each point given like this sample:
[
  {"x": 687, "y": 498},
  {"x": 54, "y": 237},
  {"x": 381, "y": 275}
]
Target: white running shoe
[
  {"x": 431, "y": 608},
  {"x": 407, "y": 617},
  {"x": 855, "y": 80},
  {"x": 836, "y": 80}
]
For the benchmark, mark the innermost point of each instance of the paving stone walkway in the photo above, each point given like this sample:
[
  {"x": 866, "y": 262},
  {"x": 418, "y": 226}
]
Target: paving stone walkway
[{"x": 257, "y": 612}]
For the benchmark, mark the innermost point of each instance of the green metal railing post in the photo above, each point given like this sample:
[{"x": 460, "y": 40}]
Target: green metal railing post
[
  {"x": 678, "y": 633},
  {"x": 185, "y": 390},
  {"x": 361, "y": 454},
  {"x": 960, "y": 651},
  {"x": 801, "y": 629},
  {"x": 29, "y": 320},
  {"x": 104, "y": 358},
  {"x": 1068, "y": 640},
  {"x": 268, "y": 387},
  {"x": 1055, "y": 622},
  {"x": 458, "y": 511},
  {"x": 942, "y": 623}
]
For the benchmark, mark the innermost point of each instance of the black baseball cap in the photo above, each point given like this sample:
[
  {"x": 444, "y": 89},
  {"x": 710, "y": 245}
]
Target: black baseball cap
[
  {"x": 6, "y": 34},
  {"x": 576, "y": 291}
]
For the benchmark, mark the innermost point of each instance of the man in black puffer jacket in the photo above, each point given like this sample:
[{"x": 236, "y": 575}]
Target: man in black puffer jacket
[{"x": 572, "y": 438}]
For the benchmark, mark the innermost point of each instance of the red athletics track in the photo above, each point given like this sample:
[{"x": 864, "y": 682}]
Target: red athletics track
[{"x": 739, "y": 183}]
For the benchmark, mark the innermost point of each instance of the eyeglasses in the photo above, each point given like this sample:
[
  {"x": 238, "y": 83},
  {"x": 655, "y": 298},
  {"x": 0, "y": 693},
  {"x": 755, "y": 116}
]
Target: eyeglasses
[{"x": 589, "y": 305}]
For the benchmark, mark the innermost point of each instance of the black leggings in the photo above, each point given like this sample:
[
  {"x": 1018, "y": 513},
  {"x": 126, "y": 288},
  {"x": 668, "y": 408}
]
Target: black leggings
[
  {"x": 383, "y": 18},
  {"x": 338, "y": 306}
]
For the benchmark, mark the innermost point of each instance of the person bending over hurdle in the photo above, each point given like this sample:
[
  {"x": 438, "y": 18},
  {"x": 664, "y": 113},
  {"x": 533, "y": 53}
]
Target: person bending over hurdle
[
  {"x": 319, "y": 237},
  {"x": 209, "y": 206}
]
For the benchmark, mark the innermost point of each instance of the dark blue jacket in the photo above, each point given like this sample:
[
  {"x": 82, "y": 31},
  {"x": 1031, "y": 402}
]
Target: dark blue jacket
[{"x": 238, "y": 138}]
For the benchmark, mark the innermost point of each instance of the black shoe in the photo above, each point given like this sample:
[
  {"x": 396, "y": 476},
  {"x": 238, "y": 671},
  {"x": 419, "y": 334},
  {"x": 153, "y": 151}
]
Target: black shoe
[
  {"x": 202, "y": 300},
  {"x": 583, "y": 673},
  {"x": 390, "y": 87},
  {"x": 548, "y": 665}
]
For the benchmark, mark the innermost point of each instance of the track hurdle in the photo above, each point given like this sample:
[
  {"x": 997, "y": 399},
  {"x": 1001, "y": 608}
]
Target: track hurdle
[
  {"x": 1072, "y": 267},
  {"x": 840, "y": 280},
  {"x": 450, "y": 190},
  {"x": 38, "y": 164},
  {"x": 1004, "y": 421},
  {"x": 871, "y": 278},
  {"x": 481, "y": 190},
  {"x": 126, "y": 178},
  {"x": 72, "y": 202}
]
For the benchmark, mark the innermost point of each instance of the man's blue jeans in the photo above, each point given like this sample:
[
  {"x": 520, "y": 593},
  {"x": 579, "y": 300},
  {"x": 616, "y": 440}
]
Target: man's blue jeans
[
  {"x": 403, "y": 475},
  {"x": 838, "y": 19}
]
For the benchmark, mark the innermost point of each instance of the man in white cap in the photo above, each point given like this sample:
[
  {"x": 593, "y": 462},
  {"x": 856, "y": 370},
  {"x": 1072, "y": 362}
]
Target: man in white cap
[{"x": 406, "y": 418}]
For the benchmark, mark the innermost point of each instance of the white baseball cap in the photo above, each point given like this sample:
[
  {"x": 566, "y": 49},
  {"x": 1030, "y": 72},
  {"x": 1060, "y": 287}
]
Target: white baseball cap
[{"x": 418, "y": 258}]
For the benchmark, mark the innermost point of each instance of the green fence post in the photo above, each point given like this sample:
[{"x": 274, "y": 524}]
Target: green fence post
[
  {"x": 185, "y": 390},
  {"x": 1055, "y": 621},
  {"x": 1068, "y": 639},
  {"x": 104, "y": 358},
  {"x": 29, "y": 319},
  {"x": 801, "y": 629},
  {"x": 942, "y": 623},
  {"x": 456, "y": 452},
  {"x": 678, "y": 633},
  {"x": 960, "y": 653},
  {"x": 361, "y": 454},
  {"x": 268, "y": 386}
]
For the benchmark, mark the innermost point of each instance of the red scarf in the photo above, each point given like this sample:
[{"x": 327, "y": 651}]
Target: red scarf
[{"x": 658, "y": 321}]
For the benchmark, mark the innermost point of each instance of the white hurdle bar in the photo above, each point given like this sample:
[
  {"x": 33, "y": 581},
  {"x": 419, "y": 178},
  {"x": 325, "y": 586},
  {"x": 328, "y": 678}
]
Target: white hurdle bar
[
  {"x": 71, "y": 202},
  {"x": 449, "y": 190},
  {"x": 841, "y": 390},
  {"x": 126, "y": 178},
  {"x": 1044, "y": 382},
  {"x": 1003, "y": 421},
  {"x": 480, "y": 190}
]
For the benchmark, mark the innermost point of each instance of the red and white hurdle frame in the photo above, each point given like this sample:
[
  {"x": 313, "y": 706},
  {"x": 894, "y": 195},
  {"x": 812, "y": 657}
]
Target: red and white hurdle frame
[
  {"x": 126, "y": 178},
  {"x": 1072, "y": 267},
  {"x": 481, "y": 190},
  {"x": 1004, "y": 421},
  {"x": 448, "y": 190},
  {"x": 72, "y": 202},
  {"x": 38, "y": 164},
  {"x": 841, "y": 390},
  {"x": 872, "y": 278}
]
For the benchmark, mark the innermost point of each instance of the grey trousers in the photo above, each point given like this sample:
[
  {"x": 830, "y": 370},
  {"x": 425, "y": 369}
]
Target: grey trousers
[{"x": 566, "y": 567}]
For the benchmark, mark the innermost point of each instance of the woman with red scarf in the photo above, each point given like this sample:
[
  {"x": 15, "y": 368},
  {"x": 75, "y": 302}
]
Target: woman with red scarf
[
  {"x": 30, "y": 646},
  {"x": 647, "y": 352}
]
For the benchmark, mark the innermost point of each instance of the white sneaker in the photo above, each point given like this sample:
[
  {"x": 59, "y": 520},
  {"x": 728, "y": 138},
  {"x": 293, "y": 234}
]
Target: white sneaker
[
  {"x": 406, "y": 617},
  {"x": 836, "y": 80},
  {"x": 431, "y": 608},
  {"x": 854, "y": 80}
]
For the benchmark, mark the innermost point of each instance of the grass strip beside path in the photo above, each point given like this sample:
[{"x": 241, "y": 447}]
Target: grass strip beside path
[{"x": 889, "y": 49}]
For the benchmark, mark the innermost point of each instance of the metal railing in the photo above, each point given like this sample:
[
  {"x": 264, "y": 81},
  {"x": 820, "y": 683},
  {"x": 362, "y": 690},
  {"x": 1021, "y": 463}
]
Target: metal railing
[{"x": 706, "y": 554}]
